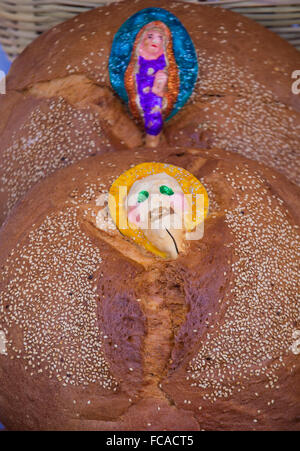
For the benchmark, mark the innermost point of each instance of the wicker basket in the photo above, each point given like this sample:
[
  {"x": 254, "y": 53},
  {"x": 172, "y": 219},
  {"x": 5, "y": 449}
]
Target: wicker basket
[{"x": 21, "y": 21}]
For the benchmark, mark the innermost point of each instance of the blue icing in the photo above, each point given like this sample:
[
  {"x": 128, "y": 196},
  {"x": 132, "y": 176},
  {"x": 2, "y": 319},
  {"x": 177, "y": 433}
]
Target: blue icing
[{"x": 183, "y": 47}]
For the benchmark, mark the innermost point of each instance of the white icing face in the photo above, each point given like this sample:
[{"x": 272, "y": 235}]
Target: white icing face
[
  {"x": 156, "y": 205},
  {"x": 2, "y": 343}
]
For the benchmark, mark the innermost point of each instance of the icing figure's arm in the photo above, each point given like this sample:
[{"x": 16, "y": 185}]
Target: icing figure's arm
[{"x": 160, "y": 82}]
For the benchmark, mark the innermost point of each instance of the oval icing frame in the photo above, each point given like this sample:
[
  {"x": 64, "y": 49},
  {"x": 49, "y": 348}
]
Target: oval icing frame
[
  {"x": 117, "y": 199},
  {"x": 183, "y": 48}
]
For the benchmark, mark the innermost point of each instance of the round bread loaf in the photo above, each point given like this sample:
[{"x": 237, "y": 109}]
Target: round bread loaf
[
  {"x": 95, "y": 333},
  {"x": 60, "y": 106}
]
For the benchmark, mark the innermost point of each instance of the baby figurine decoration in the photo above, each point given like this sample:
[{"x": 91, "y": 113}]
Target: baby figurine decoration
[
  {"x": 151, "y": 79},
  {"x": 153, "y": 67},
  {"x": 158, "y": 205}
]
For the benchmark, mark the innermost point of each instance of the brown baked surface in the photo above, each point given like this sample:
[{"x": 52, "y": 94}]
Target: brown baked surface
[
  {"x": 41, "y": 134},
  {"x": 101, "y": 335}
]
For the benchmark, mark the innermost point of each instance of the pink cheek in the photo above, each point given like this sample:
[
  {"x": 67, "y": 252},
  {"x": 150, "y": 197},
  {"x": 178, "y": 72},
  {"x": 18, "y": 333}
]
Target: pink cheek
[{"x": 133, "y": 216}]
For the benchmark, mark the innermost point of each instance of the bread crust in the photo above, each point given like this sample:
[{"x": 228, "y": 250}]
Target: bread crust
[{"x": 101, "y": 336}]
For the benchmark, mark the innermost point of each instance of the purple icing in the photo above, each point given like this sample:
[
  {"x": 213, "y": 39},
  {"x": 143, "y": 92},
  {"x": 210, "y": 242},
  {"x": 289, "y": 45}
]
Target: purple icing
[{"x": 149, "y": 100}]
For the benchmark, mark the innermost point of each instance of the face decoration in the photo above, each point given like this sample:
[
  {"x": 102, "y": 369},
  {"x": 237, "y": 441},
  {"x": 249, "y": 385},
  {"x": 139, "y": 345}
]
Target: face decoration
[
  {"x": 154, "y": 204},
  {"x": 153, "y": 67},
  {"x": 153, "y": 41}
]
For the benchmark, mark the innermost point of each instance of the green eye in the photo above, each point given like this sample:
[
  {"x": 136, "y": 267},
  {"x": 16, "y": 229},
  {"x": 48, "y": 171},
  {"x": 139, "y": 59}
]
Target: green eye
[
  {"x": 166, "y": 190},
  {"x": 142, "y": 196}
]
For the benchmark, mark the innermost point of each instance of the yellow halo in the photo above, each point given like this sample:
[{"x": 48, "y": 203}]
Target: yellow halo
[{"x": 117, "y": 199}]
